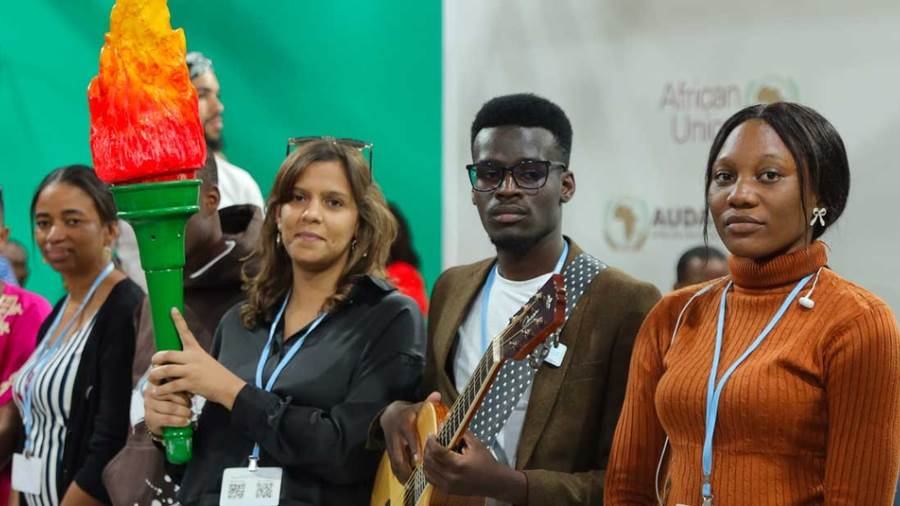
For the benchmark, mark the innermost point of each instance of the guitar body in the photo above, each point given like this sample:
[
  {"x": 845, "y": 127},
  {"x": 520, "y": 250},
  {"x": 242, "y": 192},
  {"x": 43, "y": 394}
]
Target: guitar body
[{"x": 388, "y": 491}]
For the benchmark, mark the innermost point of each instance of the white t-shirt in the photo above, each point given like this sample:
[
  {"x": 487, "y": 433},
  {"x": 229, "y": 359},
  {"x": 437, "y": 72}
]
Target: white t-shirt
[
  {"x": 237, "y": 186},
  {"x": 506, "y": 298},
  {"x": 129, "y": 256}
]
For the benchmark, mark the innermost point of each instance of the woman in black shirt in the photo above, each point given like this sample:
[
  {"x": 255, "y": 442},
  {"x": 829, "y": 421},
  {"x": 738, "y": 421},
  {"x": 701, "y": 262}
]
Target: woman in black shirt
[{"x": 321, "y": 345}]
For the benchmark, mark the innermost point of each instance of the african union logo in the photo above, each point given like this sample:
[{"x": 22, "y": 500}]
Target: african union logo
[
  {"x": 627, "y": 223},
  {"x": 772, "y": 89}
]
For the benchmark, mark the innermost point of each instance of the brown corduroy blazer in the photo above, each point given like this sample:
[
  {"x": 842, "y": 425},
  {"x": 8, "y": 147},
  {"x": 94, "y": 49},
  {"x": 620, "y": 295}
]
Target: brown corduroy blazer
[{"x": 573, "y": 409}]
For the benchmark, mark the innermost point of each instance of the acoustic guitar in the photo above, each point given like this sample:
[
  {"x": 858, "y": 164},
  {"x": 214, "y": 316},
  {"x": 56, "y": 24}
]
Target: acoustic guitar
[{"x": 542, "y": 315}]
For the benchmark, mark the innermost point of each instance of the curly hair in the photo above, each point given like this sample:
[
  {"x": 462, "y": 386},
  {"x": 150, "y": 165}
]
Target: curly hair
[
  {"x": 376, "y": 230},
  {"x": 526, "y": 110}
]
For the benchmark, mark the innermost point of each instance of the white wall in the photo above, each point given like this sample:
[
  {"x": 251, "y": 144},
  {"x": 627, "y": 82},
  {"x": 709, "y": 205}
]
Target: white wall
[{"x": 618, "y": 67}]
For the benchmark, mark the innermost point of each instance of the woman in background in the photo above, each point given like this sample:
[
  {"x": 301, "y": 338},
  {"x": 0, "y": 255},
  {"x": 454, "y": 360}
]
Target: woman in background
[
  {"x": 73, "y": 393},
  {"x": 780, "y": 383},
  {"x": 403, "y": 263}
]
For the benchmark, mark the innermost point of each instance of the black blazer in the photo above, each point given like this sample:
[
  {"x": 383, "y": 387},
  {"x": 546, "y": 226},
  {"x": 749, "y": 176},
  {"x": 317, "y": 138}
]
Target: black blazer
[{"x": 101, "y": 395}]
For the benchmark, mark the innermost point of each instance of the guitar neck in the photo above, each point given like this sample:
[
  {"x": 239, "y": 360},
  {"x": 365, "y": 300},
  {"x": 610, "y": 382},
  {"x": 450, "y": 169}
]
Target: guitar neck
[
  {"x": 537, "y": 319},
  {"x": 470, "y": 399},
  {"x": 460, "y": 415}
]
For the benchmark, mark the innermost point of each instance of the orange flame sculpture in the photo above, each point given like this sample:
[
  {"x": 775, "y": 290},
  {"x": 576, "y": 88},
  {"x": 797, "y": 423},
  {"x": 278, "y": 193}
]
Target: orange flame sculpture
[
  {"x": 145, "y": 125},
  {"x": 147, "y": 142}
]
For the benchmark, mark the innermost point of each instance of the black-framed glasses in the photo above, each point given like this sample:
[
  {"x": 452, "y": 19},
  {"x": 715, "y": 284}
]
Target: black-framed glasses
[
  {"x": 295, "y": 142},
  {"x": 528, "y": 174}
]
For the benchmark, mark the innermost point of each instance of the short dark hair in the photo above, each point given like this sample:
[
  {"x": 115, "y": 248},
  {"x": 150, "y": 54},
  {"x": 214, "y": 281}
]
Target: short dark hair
[
  {"x": 209, "y": 173},
  {"x": 816, "y": 146},
  {"x": 705, "y": 253},
  {"x": 526, "y": 110},
  {"x": 84, "y": 178}
]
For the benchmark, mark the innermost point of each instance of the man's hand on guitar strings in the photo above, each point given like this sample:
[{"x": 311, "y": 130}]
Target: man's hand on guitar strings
[{"x": 474, "y": 472}]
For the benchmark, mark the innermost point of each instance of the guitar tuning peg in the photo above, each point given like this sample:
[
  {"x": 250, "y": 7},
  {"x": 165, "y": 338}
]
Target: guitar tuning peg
[{"x": 537, "y": 357}]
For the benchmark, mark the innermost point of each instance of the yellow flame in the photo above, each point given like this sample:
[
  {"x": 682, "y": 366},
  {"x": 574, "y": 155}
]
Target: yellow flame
[{"x": 144, "y": 119}]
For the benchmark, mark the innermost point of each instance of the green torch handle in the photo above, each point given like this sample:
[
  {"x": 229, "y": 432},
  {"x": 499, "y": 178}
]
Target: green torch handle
[
  {"x": 158, "y": 213},
  {"x": 166, "y": 292}
]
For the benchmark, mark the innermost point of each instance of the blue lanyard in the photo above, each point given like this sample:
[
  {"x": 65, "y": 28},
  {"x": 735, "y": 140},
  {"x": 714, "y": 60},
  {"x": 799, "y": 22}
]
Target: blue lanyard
[
  {"x": 714, "y": 390},
  {"x": 284, "y": 361},
  {"x": 486, "y": 294},
  {"x": 45, "y": 352}
]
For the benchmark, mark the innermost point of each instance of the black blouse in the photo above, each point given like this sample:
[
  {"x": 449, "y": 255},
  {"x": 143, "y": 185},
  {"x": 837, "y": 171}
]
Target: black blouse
[{"x": 314, "y": 423}]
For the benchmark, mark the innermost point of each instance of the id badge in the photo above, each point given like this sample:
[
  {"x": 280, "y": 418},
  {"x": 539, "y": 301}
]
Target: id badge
[
  {"x": 26, "y": 474},
  {"x": 242, "y": 486},
  {"x": 556, "y": 355}
]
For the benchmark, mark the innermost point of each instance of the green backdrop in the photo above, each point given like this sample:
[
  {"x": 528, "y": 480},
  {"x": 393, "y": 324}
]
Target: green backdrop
[{"x": 349, "y": 68}]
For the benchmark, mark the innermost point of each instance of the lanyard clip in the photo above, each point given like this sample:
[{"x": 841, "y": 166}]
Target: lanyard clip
[
  {"x": 254, "y": 464},
  {"x": 707, "y": 490}
]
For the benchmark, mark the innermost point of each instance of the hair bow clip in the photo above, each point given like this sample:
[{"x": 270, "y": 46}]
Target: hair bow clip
[{"x": 819, "y": 215}]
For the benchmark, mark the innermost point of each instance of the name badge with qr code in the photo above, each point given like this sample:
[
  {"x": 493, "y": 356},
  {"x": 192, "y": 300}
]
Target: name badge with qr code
[
  {"x": 26, "y": 474},
  {"x": 244, "y": 487}
]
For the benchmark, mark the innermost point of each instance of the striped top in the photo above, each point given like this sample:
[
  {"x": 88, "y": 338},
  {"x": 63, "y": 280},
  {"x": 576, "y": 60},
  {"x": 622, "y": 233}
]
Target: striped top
[
  {"x": 811, "y": 417},
  {"x": 51, "y": 405}
]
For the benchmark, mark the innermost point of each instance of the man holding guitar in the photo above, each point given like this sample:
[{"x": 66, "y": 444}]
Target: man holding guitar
[{"x": 547, "y": 433}]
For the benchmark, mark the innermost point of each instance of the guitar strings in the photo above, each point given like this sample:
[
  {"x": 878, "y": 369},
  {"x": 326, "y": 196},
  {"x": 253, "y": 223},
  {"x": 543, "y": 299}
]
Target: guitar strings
[{"x": 416, "y": 482}]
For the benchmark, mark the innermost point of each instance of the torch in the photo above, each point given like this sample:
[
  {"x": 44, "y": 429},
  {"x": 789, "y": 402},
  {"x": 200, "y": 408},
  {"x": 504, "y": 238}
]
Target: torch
[{"x": 147, "y": 142}]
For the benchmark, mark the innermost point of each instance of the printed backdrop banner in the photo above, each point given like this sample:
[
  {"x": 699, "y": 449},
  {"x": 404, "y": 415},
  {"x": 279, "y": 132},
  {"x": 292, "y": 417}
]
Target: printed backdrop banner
[{"x": 647, "y": 84}]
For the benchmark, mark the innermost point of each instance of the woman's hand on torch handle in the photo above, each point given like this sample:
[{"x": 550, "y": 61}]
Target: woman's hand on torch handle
[
  {"x": 172, "y": 410},
  {"x": 192, "y": 370}
]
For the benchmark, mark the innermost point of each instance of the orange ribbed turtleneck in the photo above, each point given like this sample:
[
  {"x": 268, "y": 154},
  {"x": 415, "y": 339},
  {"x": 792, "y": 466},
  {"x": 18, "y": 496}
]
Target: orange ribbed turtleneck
[
  {"x": 811, "y": 417},
  {"x": 779, "y": 271}
]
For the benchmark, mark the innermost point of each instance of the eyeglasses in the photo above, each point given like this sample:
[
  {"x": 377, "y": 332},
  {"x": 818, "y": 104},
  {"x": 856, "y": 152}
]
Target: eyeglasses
[
  {"x": 528, "y": 174},
  {"x": 295, "y": 142}
]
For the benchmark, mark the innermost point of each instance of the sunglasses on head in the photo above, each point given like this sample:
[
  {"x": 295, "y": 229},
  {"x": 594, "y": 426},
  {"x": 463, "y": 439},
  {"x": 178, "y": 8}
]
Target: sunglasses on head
[{"x": 295, "y": 142}]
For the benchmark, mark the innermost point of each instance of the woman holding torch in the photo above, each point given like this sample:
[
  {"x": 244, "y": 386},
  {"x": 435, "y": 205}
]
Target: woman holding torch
[{"x": 299, "y": 369}]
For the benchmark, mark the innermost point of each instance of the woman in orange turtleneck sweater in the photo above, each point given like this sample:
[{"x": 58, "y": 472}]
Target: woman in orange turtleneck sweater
[{"x": 806, "y": 413}]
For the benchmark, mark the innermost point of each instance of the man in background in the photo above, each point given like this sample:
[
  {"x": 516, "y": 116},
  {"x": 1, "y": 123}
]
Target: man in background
[
  {"x": 236, "y": 185},
  {"x": 6, "y": 269},
  {"x": 18, "y": 259},
  {"x": 700, "y": 264}
]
